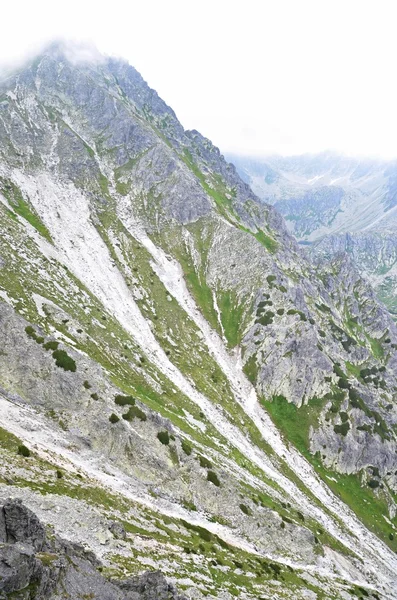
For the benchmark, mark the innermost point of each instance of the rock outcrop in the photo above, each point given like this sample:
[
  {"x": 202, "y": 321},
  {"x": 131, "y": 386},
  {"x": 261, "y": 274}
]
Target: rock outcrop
[{"x": 36, "y": 566}]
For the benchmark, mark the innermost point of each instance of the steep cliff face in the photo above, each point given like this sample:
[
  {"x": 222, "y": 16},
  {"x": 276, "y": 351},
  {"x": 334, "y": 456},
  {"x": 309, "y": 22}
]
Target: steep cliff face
[
  {"x": 174, "y": 361},
  {"x": 374, "y": 253}
]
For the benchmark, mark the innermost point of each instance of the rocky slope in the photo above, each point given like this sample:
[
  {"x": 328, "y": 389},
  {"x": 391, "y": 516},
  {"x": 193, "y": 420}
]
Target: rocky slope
[
  {"x": 172, "y": 361},
  {"x": 374, "y": 253}
]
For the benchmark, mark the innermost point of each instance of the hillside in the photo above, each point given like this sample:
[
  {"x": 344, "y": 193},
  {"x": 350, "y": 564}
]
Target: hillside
[{"x": 173, "y": 362}]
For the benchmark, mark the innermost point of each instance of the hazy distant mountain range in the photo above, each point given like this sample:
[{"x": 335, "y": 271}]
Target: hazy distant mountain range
[{"x": 337, "y": 204}]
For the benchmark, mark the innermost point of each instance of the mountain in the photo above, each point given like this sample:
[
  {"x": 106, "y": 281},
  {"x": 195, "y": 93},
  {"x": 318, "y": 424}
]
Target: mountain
[
  {"x": 325, "y": 193},
  {"x": 173, "y": 364},
  {"x": 338, "y": 204}
]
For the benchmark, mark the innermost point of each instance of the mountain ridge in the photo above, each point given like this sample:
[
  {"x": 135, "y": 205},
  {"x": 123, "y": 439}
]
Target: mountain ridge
[{"x": 183, "y": 307}]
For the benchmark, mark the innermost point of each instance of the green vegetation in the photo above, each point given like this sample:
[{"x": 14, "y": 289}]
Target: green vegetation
[
  {"x": 124, "y": 400},
  {"x": 223, "y": 199},
  {"x": 251, "y": 368},
  {"x": 114, "y": 418},
  {"x": 269, "y": 243},
  {"x": 164, "y": 437},
  {"x": 134, "y": 412},
  {"x": 204, "y": 462},
  {"x": 51, "y": 345},
  {"x": 186, "y": 447},
  {"x": 23, "y": 450},
  {"x": 63, "y": 360},
  {"x": 245, "y": 509},
  {"x": 295, "y": 423},
  {"x": 373, "y": 483},
  {"x": 342, "y": 429},
  {"x": 232, "y": 317},
  {"x": 32, "y": 334},
  {"x": 212, "y": 476},
  {"x": 21, "y": 207}
]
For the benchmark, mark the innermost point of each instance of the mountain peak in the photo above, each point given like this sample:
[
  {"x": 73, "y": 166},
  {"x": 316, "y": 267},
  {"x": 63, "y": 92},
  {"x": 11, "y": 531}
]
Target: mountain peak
[
  {"x": 73, "y": 51},
  {"x": 173, "y": 363}
]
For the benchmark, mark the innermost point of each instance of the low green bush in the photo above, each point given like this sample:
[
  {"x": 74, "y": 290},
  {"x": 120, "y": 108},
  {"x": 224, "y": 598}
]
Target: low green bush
[
  {"x": 338, "y": 371},
  {"x": 63, "y": 360},
  {"x": 164, "y": 437},
  {"x": 342, "y": 429},
  {"x": 186, "y": 447},
  {"x": 23, "y": 450},
  {"x": 114, "y": 418},
  {"x": 204, "y": 462},
  {"x": 124, "y": 400},
  {"x": 134, "y": 412},
  {"x": 213, "y": 478},
  {"x": 365, "y": 427},
  {"x": 266, "y": 318},
  {"x": 343, "y": 383},
  {"x": 373, "y": 483},
  {"x": 32, "y": 334},
  {"x": 245, "y": 509},
  {"x": 51, "y": 345}
]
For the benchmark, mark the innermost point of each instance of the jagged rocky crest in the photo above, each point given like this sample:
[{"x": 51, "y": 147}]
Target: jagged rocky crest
[{"x": 172, "y": 360}]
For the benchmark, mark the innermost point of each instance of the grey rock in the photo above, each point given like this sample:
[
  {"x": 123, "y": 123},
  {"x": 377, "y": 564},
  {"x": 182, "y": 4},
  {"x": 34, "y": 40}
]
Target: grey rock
[
  {"x": 62, "y": 567},
  {"x": 118, "y": 530},
  {"x": 19, "y": 568},
  {"x": 149, "y": 586},
  {"x": 21, "y": 525}
]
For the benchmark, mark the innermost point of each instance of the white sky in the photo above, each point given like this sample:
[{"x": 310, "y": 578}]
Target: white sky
[{"x": 255, "y": 76}]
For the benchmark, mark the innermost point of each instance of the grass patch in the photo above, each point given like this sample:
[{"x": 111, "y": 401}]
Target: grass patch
[
  {"x": 232, "y": 314},
  {"x": 295, "y": 424},
  {"x": 22, "y": 208},
  {"x": 269, "y": 243},
  {"x": 186, "y": 447}
]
